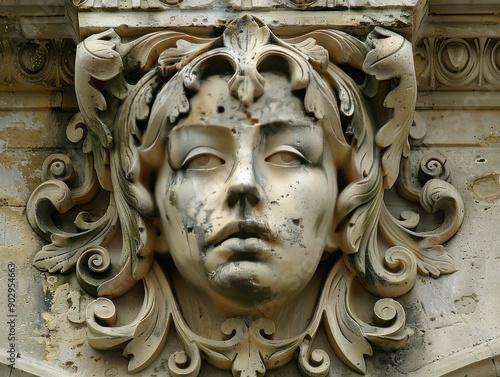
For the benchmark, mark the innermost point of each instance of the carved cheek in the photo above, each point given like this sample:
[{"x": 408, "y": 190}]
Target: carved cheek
[
  {"x": 182, "y": 199},
  {"x": 310, "y": 188}
]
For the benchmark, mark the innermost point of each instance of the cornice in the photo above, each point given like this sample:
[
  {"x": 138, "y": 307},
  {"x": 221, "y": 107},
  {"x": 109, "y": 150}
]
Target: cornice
[
  {"x": 240, "y": 4},
  {"x": 282, "y": 22},
  {"x": 78, "y": 19},
  {"x": 37, "y": 19}
]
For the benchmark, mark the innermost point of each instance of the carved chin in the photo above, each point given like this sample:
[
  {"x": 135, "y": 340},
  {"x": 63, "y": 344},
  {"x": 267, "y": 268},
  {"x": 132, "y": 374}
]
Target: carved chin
[{"x": 241, "y": 284}]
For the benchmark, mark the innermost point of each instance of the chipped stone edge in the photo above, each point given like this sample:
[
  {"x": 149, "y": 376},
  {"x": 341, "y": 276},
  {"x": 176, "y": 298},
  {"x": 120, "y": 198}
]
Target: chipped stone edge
[{"x": 32, "y": 366}]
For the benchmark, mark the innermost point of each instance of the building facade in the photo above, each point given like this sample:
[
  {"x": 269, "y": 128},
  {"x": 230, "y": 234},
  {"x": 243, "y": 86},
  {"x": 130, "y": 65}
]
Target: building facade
[{"x": 249, "y": 187}]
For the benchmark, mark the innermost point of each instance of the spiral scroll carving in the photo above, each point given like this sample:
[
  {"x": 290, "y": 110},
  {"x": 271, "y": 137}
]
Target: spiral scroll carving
[
  {"x": 434, "y": 166},
  {"x": 58, "y": 166},
  {"x": 92, "y": 266}
]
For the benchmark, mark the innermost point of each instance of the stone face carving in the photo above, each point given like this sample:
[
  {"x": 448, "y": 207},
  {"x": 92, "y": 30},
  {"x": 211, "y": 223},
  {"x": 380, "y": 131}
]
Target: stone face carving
[{"x": 246, "y": 178}]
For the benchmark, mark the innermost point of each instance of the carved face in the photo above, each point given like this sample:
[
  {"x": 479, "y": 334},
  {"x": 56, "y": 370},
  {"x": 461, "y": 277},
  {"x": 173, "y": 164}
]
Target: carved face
[{"x": 247, "y": 194}]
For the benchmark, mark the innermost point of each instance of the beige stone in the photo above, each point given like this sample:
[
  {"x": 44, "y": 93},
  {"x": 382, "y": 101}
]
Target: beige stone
[{"x": 426, "y": 146}]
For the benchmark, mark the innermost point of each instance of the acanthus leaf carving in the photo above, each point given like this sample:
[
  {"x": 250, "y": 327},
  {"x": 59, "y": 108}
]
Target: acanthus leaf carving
[
  {"x": 392, "y": 50},
  {"x": 99, "y": 60},
  {"x": 249, "y": 350},
  {"x": 343, "y": 331},
  {"x": 55, "y": 195},
  {"x": 152, "y": 330},
  {"x": 437, "y": 194},
  {"x": 127, "y": 122}
]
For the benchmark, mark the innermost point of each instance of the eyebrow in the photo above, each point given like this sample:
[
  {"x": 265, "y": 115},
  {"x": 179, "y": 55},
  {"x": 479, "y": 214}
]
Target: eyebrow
[
  {"x": 182, "y": 128},
  {"x": 274, "y": 126},
  {"x": 281, "y": 126}
]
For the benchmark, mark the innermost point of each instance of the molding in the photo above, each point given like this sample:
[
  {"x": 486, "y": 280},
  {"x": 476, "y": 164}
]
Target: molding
[
  {"x": 26, "y": 366},
  {"x": 289, "y": 17},
  {"x": 460, "y": 27},
  {"x": 36, "y": 64},
  {"x": 488, "y": 7},
  {"x": 36, "y": 19},
  {"x": 131, "y": 23},
  {"x": 458, "y": 100},
  {"x": 64, "y": 99},
  {"x": 479, "y": 360},
  {"x": 458, "y": 64},
  {"x": 238, "y": 4}
]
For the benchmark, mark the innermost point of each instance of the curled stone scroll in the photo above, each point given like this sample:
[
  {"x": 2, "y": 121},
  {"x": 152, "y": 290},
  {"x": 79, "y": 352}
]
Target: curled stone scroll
[{"x": 244, "y": 172}]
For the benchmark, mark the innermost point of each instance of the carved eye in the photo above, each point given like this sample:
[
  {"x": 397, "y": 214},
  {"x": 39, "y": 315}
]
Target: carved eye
[
  {"x": 200, "y": 160},
  {"x": 287, "y": 157}
]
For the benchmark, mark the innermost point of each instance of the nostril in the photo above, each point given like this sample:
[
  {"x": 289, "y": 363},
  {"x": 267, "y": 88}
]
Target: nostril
[
  {"x": 233, "y": 198},
  {"x": 242, "y": 197},
  {"x": 252, "y": 199}
]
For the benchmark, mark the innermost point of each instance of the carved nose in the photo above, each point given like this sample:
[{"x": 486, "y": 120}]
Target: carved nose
[
  {"x": 243, "y": 189},
  {"x": 243, "y": 195}
]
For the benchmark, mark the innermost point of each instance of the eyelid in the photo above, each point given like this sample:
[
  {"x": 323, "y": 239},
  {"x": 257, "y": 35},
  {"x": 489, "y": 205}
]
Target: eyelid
[
  {"x": 288, "y": 149},
  {"x": 199, "y": 151}
]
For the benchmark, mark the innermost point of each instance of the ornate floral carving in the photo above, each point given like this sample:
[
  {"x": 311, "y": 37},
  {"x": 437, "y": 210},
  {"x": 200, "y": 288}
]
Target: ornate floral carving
[
  {"x": 459, "y": 63},
  {"x": 48, "y": 64},
  {"x": 129, "y": 91}
]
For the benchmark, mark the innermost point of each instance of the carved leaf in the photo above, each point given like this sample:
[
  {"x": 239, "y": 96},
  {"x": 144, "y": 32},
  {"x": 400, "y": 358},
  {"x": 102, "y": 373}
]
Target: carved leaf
[
  {"x": 341, "y": 48},
  {"x": 315, "y": 363},
  {"x": 430, "y": 260},
  {"x": 146, "y": 335},
  {"x": 243, "y": 39},
  {"x": 100, "y": 318},
  {"x": 348, "y": 333},
  {"x": 388, "y": 330},
  {"x": 393, "y": 274},
  {"x": 438, "y": 195},
  {"x": 391, "y": 57},
  {"x": 151, "y": 332},
  {"x": 316, "y": 92},
  {"x": 62, "y": 254},
  {"x": 176, "y": 105},
  {"x": 245, "y": 35},
  {"x": 184, "y": 49},
  {"x": 316, "y": 53},
  {"x": 248, "y": 362},
  {"x": 366, "y": 198},
  {"x": 97, "y": 59},
  {"x": 343, "y": 331},
  {"x": 49, "y": 196},
  {"x": 133, "y": 200},
  {"x": 435, "y": 261}
]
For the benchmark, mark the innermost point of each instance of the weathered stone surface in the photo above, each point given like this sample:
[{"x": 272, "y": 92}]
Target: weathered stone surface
[{"x": 452, "y": 321}]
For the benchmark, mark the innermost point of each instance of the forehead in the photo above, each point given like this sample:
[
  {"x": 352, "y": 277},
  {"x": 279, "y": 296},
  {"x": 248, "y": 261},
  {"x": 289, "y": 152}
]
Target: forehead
[{"x": 214, "y": 104}]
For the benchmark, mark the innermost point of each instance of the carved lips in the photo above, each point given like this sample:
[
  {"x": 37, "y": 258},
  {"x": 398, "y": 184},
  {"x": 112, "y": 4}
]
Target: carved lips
[{"x": 243, "y": 240}]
